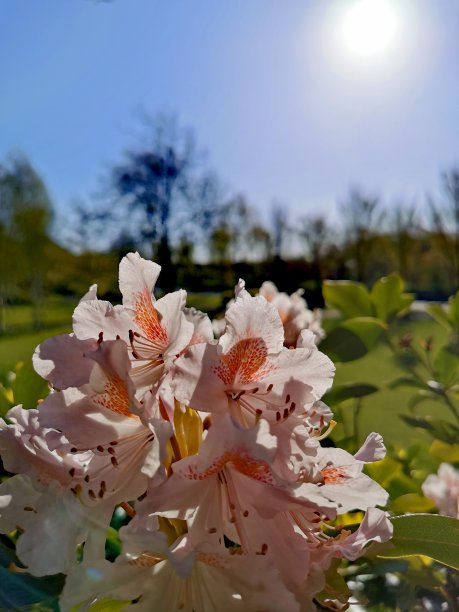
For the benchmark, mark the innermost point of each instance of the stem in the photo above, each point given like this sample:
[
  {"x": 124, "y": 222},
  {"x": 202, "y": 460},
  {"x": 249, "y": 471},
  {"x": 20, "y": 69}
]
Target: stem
[{"x": 450, "y": 405}]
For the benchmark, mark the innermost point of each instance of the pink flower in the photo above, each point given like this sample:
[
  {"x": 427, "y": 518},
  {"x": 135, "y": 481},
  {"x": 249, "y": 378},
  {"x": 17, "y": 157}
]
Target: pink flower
[
  {"x": 249, "y": 372},
  {"x": 443, "y": 489}
]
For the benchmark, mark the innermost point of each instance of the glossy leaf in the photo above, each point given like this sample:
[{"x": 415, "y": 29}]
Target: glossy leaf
[
  {"x": 438, "y": 428},
  {"x": 446, "y": 366},
  {"x": 350, "y": 298},
  {"x": 453, "y": 310},
  {"x": 19, "y": 590},
  {"x": 445, "y": 452},
  {"x": 352, "y": 339},
  {"x": 28, "y": 387},
  {"x": 412, "y": 502},
  {"x": 438, "y": 312},
  {"x": 388, "y": 297},
  {"x": 406, "y": 381},
  {"x": 340, "y": 393},
  {"x": 430, "y": 535}
]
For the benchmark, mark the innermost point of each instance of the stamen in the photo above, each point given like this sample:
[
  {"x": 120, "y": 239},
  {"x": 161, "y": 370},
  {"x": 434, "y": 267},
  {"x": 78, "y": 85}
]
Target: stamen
[{"x": 128, "y": 509}]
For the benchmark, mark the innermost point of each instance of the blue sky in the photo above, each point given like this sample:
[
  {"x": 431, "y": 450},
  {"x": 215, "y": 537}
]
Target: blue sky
[{"x": 282, "y": 110}]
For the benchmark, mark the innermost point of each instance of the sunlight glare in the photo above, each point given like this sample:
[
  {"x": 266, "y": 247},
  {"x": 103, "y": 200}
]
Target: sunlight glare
[{"x": 369, "y": 29}]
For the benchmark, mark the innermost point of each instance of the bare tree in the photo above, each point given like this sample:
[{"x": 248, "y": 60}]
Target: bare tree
[
  {"x": 316, "y": 234},
  {"x": 279, "y": 221},
  {"x": 362, "y": 222},
  {"x": 162, "y": 188},
  {"x": 403, "y": 227},
  {"x": 445, "y": 223}
]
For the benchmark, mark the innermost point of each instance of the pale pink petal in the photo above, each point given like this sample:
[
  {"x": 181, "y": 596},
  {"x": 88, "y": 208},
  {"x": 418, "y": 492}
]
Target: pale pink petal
[
  {"x": 136, "y": 275},
  {"x": 94, "y": 317},
  {"x": 252, "y": 317},
  {"x": 194, "y": 383},
  {"x": 376, "y": 527},
  {"x": 373, "y": 449},
  {"x": 61, "y": 360},
  {"x": 179, "y": 328},
  {"x": 268, "y": 290},
  {"x": 202, "y": 326},
  {"x": 91, "y": 294}
]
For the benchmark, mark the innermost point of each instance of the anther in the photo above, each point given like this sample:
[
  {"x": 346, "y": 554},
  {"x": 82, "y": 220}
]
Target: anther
[
  {"x": 114, "y": 462},
  {"x": 212, "y": 530},
  {"x": 264, "y": 549},
  {"x": 86, "y": 478},
  {"x": 278, "y": 416},
  {"x": 91, "y": 494},
  {"x": 270, "y": 386},
  {"x": 73, "y": 449},
  {"x": 72, "y": 472},
  {"x": 101, "y": 337},
  {"x": 259, "y": 411},
  {"x": 292, "y": 406},
  {"x": 286, "y": 413},
  {"x": 111, "y": 450},
  {"x": 245, "y": 513},
  {"x": 100, "y": 448},
  {"x": 114, "y": 443},
  {"x": 287, "y": 399}
]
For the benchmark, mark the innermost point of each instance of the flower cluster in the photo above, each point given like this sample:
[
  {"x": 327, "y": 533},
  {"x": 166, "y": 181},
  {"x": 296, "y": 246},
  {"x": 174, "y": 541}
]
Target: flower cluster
[
  {"x": 443, "y": 489},
  {"x": 211, "y": 450},
  {"x": 293, "y": 312}
]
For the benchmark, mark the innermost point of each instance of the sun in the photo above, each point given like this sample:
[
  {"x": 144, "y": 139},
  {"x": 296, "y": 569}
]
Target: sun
[{"x": 369, "y": 29}]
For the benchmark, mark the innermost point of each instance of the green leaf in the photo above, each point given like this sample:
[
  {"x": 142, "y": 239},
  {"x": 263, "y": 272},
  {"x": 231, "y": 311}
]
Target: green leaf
[
  {"x": 430, "y": 535},
  {"x": 19, "y": 590},
  {"x": 340, "y": 393},
  {"x": 352, "y": 339},
  {"x": 440, "y": 315},
  {"x": 384, "y": 471},
  {"x": 438, "y": 428},
  {"x": 388, "y": 297},
  {"x": 350, "y": 298},
  {"x": 412, "y": 502},
  {"x": 343, "y": 345},
  {"x": 406, "y": 381},
  {"x": 446, "y": 366},
  {"x": 109, "y": 605},
  {"x": 368, "y": 329},
  {"x": 421, "y": 396},
  {"x": 28, "y": 387},
  {"x": 445, "y": 452},
  {"x": 453, "y": 310}
]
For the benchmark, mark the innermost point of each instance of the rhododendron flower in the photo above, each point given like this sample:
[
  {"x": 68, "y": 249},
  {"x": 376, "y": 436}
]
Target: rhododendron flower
[
  {"x": 211, "y": 450},
  {"x": 443, "y": 489},
  {"x": 185, "y": 577},
  {"x": 155, "y": 330},
  {"x": 294, "y": 313},
  {"x": 249, "y": 372}
]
